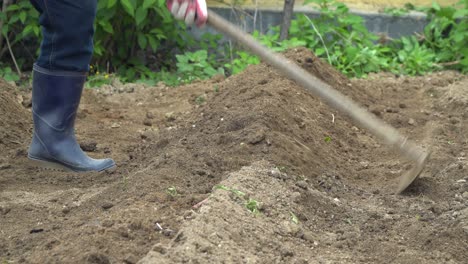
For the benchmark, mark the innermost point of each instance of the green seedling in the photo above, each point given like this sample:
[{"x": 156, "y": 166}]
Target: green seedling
[
  {"x": 200, "y": 100},
  {"x": 172, "y": 191},
  {"x": 294, "y": 218},
  {"x": 234, "y": 191},
  {"x": 253, "y": 206},
  {"x": 216, "y": 88},
  {"x": 8, "y": 74},
  {"x": 328, "y": 139},
  {"x": 300, "y": 177},
  {"x": 125, "y": 182},
  {"x": 282, "y": 168}
]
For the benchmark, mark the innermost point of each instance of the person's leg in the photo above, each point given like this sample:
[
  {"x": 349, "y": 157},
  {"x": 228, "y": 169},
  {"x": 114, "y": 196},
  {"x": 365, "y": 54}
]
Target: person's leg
[
  {"x": 58, "y": 79},
  {"x": 67, "y": 29}
]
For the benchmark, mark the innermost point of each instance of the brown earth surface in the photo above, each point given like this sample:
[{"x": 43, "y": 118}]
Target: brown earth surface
[{"x": 193, "y": 160}]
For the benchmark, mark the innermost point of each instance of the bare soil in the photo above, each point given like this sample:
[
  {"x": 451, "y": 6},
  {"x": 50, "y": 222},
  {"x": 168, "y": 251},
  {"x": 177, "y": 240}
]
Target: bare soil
[{"x": 191, "y": 158}]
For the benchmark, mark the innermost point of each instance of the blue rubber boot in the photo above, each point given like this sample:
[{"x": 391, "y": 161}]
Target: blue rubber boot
[{"x": 55, "y": 100}]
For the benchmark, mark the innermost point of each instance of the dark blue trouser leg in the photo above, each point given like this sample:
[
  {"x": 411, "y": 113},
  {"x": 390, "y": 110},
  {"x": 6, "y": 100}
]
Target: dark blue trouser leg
[{"x": 67, "y": 27}]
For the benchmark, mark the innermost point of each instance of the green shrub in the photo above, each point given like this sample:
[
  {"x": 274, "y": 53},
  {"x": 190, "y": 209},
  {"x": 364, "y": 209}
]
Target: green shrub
[
  {"x": 128, "y": 30},
  {"x": 195, "y": 66}
]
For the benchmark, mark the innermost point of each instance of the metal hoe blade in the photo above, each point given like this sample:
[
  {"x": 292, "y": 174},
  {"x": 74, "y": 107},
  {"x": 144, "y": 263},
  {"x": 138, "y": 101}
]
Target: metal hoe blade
[{"x": 333, "y": 98}]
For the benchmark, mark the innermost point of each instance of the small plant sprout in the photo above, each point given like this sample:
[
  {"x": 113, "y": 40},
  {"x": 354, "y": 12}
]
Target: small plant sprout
[
  {"x": 282, "y": 168},
  {"x": 125, "y": 182},
  {"x": 300, "y": 177},
  {"x": 294, "y": 218},
  {"x": 234, "y": 191},
  {"x": 253, "y": 206},
  {"x": 222, "y": 187},
  {"x": 200, "y": 100},
  {"x": 172, "y": 191},
  {"x": 216, "y": 88},
  {"x": 328, "y": 139}
]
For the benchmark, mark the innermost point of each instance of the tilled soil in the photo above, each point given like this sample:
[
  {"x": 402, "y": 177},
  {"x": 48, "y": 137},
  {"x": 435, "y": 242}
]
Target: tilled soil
[{"x": 323, "y": 186}]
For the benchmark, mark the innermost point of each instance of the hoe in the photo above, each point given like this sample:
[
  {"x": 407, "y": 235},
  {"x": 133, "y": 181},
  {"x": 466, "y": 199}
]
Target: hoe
[{"x": 333, "y": 98}]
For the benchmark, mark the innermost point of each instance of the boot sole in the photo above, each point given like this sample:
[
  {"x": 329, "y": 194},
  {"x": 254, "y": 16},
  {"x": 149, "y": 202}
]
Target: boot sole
[{"x": 49, "y": 165}]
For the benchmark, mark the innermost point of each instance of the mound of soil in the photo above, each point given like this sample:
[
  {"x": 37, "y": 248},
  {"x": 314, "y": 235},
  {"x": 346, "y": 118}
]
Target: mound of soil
[
  {"x": 14, "y": 119},
  {"x": 324, "y": 186},
  {"x": 260, "y": 115}
]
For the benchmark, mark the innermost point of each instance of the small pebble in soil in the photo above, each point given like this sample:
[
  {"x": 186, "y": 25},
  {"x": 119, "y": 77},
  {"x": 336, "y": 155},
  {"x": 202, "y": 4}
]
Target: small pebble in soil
[
  {"x": 168, "y": 232},
  {"x": 286, "y": 252},
  {"x": 107, "y": 205},
  {"x": 376, "y": 110},
  {"x": 88, "y": 146},
  {"x": 392, "y": 110},
  {"x": 4, "y": 210},
  {"x": 275, "y": 173},
  {"x": 130, "y": 259},
  {"x": 97, "y": 258},
  {"x": 66, "y": 209},
  {"x": 122, "y": 231},
  {"x": 170, "y": 117},
  {"x": 36, "y": 230},
  {"x": 107, "y": 223},
  {"x": 148, "y": 135},
  {"x": 106, "y": 150},
  {"x": 454, "y": 120},
  {"x": 465, "y": 229},
  {"x": 159, "y": 248},
  {"x": 411, "y": 121},
  {"x": 149, "y": 115},
  {"x": 256, "y": 137},
  {"x": 290, "y": 228},
  {"x": 200, "y": 172},
  {"x": 147, "y": 122},
  {"x": 296, "y": 197},
  {"x": 309, "y": 236},
  {"x": 27, "y": 102},
  {"x": 302, "y": 184},
  {"x": 4, "y": 166}
]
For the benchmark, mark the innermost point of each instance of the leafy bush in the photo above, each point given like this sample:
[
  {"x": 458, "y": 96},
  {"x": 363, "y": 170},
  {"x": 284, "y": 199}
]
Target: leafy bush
[
  {"x": 128, "y": 30},
  {"x": 342, "y": 39},
  {"x": 447, "y": 34},
  {"x": 195, "y": 66},
  {"x": 20, "y": 24},
  {"x": 8, "y": 74},
  {"x": 416, "y": 59}
]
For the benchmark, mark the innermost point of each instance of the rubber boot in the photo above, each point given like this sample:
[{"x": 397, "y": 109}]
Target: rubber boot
[{"x": 55, "y": 99}]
